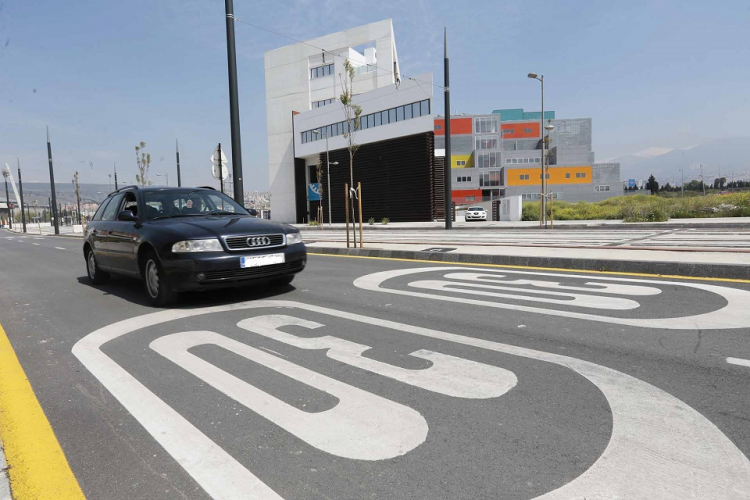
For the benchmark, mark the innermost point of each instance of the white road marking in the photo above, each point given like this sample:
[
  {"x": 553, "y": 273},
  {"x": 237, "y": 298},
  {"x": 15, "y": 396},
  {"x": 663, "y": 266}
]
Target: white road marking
[
  {"x": 659, "y": 448},
  {"x": 35, "y": 244},
  {"x": 739, "y": 361},
  {"x": 59, "y": 248},
  {"x": 591, "y": 286},
  {"x": 566, "y": 299},
  {"x": 448, "y": 375},
  {"x": 362, "y": 426},
  {"x": 735, "y": 314}
]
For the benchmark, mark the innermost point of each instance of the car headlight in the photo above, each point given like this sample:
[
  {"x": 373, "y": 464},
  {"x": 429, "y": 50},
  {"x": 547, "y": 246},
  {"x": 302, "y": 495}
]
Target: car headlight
[
  {"x": 292, "y": 238},
  {"x": 197, "y": 246}
]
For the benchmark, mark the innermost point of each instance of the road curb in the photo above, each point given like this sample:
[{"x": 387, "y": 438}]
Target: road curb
[
  {"x": 686, "y": 269},
  {"x": 624, "y": 226}
]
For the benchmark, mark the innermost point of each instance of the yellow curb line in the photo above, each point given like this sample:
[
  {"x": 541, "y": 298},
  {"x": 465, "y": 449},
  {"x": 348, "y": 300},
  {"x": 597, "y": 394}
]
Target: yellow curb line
[
  {"x": 536, "y": 268},
  {"x": 37, "y": 466}
]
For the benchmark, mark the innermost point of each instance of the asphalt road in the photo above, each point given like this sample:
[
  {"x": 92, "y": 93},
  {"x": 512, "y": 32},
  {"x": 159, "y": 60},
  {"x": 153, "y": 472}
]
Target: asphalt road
[{"x": 387, "y": 379}]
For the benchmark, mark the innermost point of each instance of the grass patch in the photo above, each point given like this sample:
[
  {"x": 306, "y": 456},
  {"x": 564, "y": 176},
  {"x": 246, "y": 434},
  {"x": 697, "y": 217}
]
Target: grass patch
[{"x": 645, "y": 208}]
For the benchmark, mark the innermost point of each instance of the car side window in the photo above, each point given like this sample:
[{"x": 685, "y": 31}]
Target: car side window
[
  {"x": 100, "y": 210},
  {"x": 110, "y": 212},
  {"x": 131, "y": 203}
]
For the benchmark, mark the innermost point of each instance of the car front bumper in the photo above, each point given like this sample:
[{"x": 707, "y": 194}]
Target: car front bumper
[
  {"x": 202, "y": 271},
  {"x": 475, "y": 217}
]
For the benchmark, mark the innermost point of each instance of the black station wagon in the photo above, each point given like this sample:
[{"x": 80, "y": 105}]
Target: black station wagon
[{"x": 180, "y": 239}]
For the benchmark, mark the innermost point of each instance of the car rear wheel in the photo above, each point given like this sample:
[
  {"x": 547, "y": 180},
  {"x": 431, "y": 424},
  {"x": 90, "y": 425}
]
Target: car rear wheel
[
  {"x": 157, "y": 287},
  {"x": 96, "y": 275}
]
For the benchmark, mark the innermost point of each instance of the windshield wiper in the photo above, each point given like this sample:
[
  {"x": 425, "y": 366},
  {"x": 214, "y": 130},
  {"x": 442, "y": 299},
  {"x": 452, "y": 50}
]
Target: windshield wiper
[{"x": 222, "y": 212}]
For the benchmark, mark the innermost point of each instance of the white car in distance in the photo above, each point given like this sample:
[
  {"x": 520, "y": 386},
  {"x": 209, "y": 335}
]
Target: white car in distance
[{"x": 475, "y": 213}]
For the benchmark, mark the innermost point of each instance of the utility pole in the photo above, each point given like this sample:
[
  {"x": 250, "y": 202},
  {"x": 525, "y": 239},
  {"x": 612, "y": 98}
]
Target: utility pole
[
  {"x": 221, "y": 171},
  {"x": 20, "y": 188},
  {"x": 234, "y": 109},
  {"x": 703, "y": 183},
  {"x": 682, "y": 182},
  {"x": 177, "y": 153},
  {"x": 51, "y": 182},
  {"x": 6, "y": 174},
  {"x": 448, "y": 162},
  {"x": 116, "y": 177}
]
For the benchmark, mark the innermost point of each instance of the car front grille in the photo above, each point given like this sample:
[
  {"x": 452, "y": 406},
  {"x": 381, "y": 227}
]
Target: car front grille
[
  {"x": 257, "y": 241},
  {"x": 252, "y": 272}
]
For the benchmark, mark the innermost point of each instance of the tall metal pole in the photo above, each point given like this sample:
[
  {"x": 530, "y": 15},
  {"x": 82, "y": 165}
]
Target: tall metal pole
[
  {"x": 177, "y": 154},
  {"x": 703, "y": 183},
  {"x": 543, "y": 198},
  {"x": 234, "y": 109},
  {"x": 116, "y": 177},
  {"x": 52, "y": 182},
  {"x": 7, "y": 200},
  {"x": 20, "y": 188},
  {"x": 328, "y": 171},
  {"x": 49, "y": 206},
  {"x": 447, "y": 195}
]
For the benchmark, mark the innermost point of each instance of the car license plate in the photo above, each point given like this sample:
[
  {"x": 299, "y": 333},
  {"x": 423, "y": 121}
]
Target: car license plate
[{"x": 261, "y": 260}]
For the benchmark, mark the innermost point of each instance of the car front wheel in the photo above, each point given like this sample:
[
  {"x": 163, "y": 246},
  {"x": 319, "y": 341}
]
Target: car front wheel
[
  {"x": 96, "y": 275},
  {"x": 156, "y": 284}
]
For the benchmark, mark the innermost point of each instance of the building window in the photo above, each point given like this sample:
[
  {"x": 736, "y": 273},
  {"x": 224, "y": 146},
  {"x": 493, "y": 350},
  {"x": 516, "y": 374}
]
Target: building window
[
  {"x": 406, "y": 112},
  {"x": 567, "y": 175},
  {"x": 486, "y": 142},
  {"x": 320, "y": 104},
  {"x": 460, "y": 163},
  {"x": 470, "y": 198},
  {"x": 527, "y": 131},
  {"x": 580, "y": 175},
  {"x": 490, "y": 159},
  {"x": 601, "y": 188},
  {"x": 490, "y": 179},
  {"x": 524, "y": 177},
  {"x": 321, "y": 71},
  {"x": 486, "y": 125},
  {"x": 438, "y": 127}
]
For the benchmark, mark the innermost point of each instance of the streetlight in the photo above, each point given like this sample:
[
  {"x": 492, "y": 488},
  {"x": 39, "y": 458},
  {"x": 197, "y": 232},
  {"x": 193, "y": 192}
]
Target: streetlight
[
  {"x": 164, "y": 175},
  {"x": 703, "y": 183},
  {"x": 543, "y": 197},
  {"x": 328, "y": 173}
]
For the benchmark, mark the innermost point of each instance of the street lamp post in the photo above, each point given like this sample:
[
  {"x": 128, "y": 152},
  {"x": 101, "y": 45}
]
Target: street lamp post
[
  {"x": 703, "y": 184},
  {"x": 164, "y": 175},
  {"x": 328, "y": 173},
  {"x": 543, "y": 197}
]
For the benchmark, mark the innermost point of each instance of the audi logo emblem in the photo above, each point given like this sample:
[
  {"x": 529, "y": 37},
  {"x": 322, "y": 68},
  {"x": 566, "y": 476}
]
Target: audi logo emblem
[{"x": 258, "y": 241}]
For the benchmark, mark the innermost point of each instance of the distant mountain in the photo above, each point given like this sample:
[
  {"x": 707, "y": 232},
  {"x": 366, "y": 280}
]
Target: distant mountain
[{"x": 720, "y": 156}]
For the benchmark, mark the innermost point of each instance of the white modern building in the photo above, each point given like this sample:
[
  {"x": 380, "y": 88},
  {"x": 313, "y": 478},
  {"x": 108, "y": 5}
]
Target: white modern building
[{"x": 303, "y": 85}]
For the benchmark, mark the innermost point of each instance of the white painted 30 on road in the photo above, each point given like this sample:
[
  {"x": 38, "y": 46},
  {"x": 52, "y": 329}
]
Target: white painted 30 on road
[{"x": 660, "y": 448}]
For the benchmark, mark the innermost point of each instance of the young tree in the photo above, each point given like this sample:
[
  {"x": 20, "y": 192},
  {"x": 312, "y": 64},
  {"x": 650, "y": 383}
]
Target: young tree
[
  {"x": 144, "y": 163},
  {"x": 78, "y": 196},
  {"x": 652, "y": 185},
  {"x": 352, "y": 113}
]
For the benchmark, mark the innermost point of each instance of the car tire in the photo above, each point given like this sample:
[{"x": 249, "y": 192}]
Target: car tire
[
  {"x": 157, "y": 288},
  {"x": 282, "y": 281},
  {"x": 96, "y": 275}
]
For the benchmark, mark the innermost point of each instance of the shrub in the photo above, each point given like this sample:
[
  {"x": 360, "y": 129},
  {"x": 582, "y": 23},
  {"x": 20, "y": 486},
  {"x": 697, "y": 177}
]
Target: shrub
[
  {"x": 371, "y": 221},
  {"x": 385, "y": 221}
]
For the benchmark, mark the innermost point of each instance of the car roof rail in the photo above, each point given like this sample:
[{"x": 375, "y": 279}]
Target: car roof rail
[{"x": 208, "y": 187}]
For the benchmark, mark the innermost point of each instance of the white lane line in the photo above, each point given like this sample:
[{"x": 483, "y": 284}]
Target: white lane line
[
  {"x": 739, "y": 361},
  {"x": 35, "y": 244},
  {"x": 61, "y": 248},
  {"x": 658, "y": 442}
]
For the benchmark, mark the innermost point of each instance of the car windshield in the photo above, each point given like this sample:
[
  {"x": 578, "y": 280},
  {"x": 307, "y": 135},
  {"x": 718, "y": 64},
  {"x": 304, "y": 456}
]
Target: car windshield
[
  {"x": 189, "y": 202},
  {"x": 475, "y": 209}
]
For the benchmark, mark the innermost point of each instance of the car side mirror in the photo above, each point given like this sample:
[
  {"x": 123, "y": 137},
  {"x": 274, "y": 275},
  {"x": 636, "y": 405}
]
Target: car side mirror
[
  {"x": 252, "y": 212},
  {"x": 127, "y": 216}
]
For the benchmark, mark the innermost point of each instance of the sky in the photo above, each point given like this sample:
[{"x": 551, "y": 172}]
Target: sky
[{"x": 105, "y": 75}]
